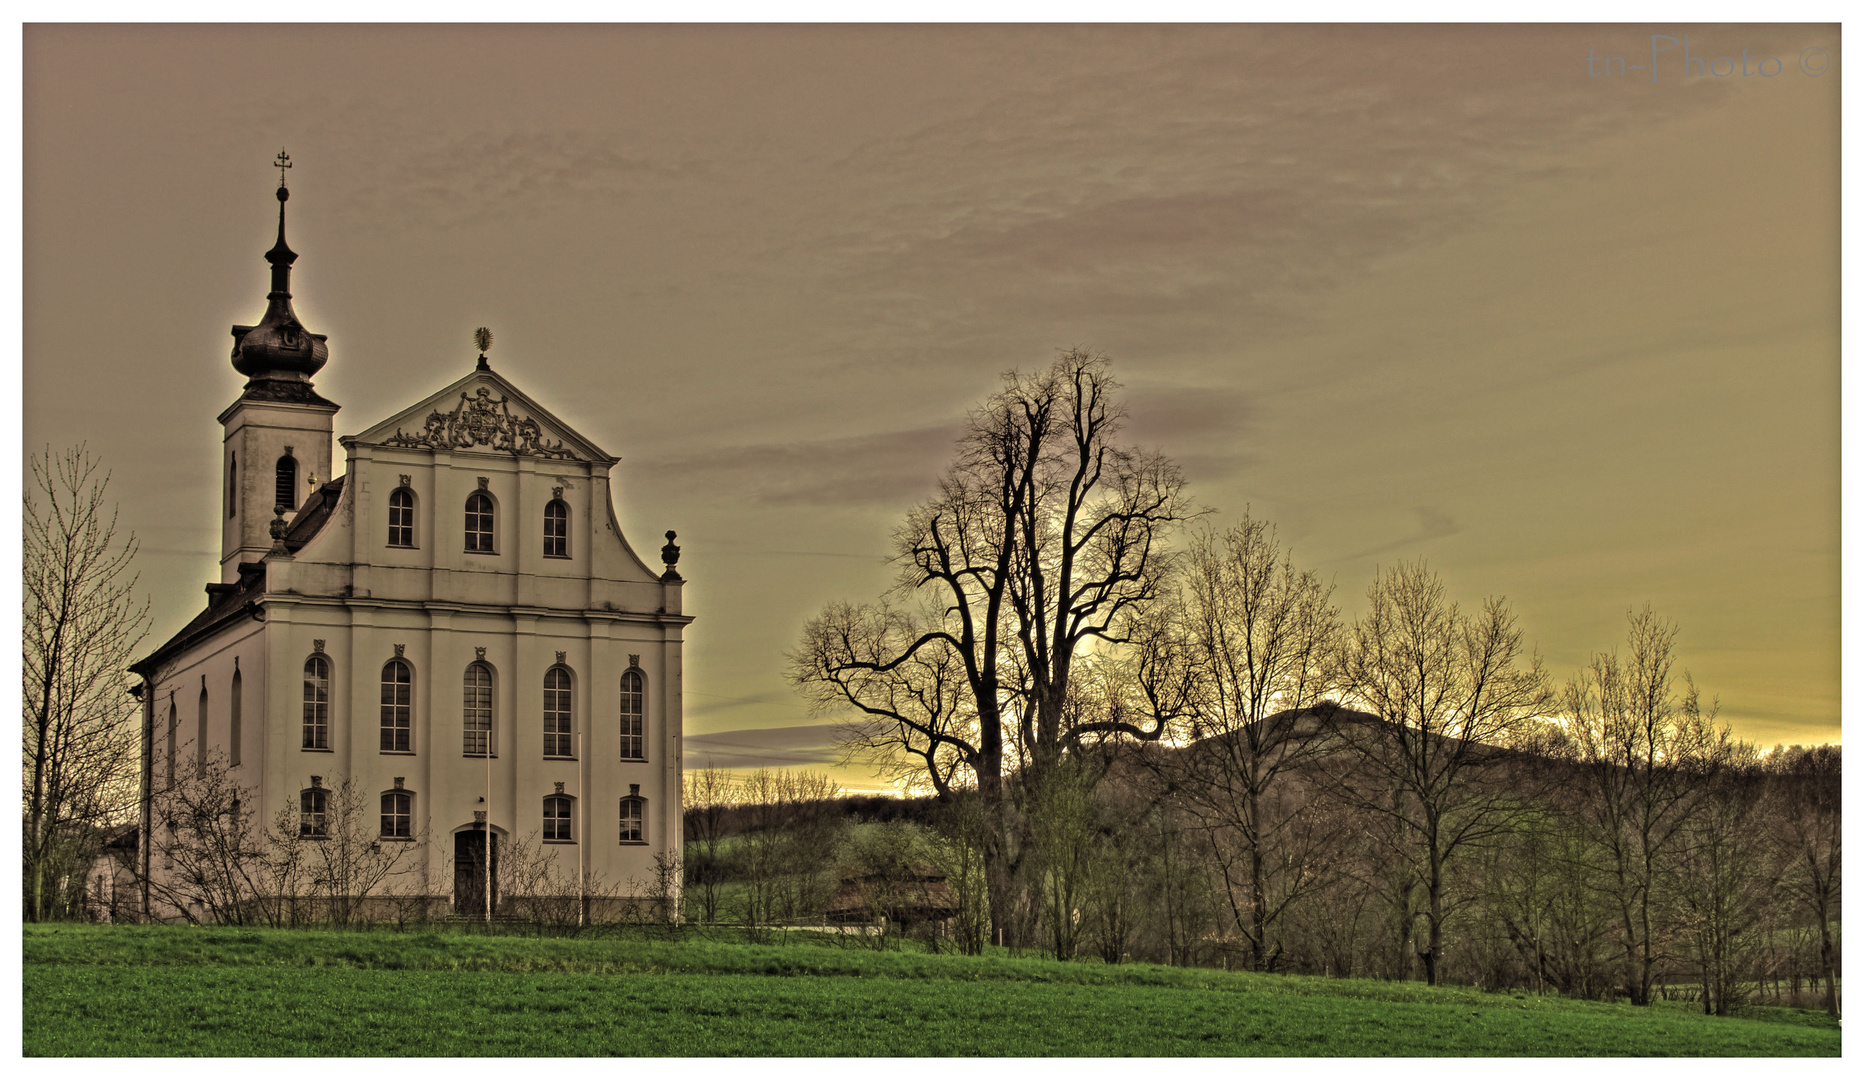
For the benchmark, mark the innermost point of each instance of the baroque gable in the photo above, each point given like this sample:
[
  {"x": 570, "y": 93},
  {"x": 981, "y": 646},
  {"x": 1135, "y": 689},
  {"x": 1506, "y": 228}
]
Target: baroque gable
[{"x": 483, "y": 413}]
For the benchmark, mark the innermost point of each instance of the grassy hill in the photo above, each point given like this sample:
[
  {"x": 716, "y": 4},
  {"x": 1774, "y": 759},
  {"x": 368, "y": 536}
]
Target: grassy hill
[{"x": 224, "y": 991}]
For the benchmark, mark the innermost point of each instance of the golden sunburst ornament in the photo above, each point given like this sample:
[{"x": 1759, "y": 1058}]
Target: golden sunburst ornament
[{"x": 482, "y": 338}]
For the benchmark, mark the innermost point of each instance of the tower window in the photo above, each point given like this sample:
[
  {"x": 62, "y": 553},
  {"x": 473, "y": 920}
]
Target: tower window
[
  {"x": 401, "y": 518},
  {"x": 479, "y": 522},
  {"x": 232, "y": 483},
  {"x": 633, "y": 743},
  {"x": 317, "y": 703},
  {"x": 557, "y": 818},
  {"x": 397, "y": 815},
  {"x": 397, "y": 707},
  {"x": 557, "y": 529},
  {"x": 287, "y": 491},
  {"x": 557, "y": 713},
  {"x": 478, "y": 710}
]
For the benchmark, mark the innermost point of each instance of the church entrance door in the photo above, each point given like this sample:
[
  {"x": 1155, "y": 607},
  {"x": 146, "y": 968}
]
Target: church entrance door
[{"x": 469, "y": 873}]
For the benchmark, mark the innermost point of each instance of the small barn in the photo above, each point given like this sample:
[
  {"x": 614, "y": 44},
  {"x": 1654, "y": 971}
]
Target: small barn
[{"x": 902, "y": 900}]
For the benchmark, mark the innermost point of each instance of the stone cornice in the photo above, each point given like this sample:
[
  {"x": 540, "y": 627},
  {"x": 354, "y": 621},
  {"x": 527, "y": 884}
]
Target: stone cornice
[{"x": 454, "y": 607}]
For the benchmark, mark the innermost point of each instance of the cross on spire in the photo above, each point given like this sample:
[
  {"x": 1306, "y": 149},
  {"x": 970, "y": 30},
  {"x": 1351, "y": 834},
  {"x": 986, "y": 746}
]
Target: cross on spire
[{"x": 281, "y": 163}]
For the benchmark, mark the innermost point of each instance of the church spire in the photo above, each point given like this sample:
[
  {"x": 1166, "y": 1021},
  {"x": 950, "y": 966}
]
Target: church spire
[
  {"x": 279, "y": 348},
  {"x": 281, "y": 257}
]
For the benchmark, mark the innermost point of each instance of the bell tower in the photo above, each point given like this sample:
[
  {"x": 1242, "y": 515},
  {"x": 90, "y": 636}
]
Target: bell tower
[{"x": 277, "y": 433}]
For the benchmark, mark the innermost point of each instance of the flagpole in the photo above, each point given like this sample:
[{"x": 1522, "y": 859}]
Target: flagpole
[{"x": 488, "y": 821}]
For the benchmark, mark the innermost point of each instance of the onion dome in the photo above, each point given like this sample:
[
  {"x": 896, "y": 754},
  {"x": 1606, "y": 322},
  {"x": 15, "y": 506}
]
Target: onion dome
[{"x": 279, "y": 347}]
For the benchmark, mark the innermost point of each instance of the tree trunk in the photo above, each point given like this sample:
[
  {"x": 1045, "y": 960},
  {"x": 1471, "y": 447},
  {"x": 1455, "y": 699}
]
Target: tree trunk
[
  {"x": 1258, "y": 888},
  {"x": 1434, "y": 950},
  {"x": 1828, "y": 960},
  {"x": 994, "y": 843}
]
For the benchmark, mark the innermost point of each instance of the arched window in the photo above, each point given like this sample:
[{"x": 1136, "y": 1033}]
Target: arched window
[
  {"x": 317, "y": 703},
  {"x": 633, "y": 820},
  {"x": 397, "y": 705},
  {"x": 233, "y": 711},
  {"x": 557, "y": 529},
  {"x": 232, "y": 483},
  {"x": 633, "y": 740},
  {"x": 313, "y": 804},
  {"x": 557, "y": 713},
  {"x": 478, "y": 710},
  {"x": 287, "y": 487},
  {"x": 401, "y": 518},
  {"x": 557, "y": 818},
  {"x": 397, "y": 815},
  {"x": 173, "y": 722},
  {"x": 479, "y": 522},
  {"x": 200, "y": 735}
]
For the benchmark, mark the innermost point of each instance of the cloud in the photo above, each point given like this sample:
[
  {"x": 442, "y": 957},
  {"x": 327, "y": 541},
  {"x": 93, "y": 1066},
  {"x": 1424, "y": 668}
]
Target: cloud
[
  {"x": 1204, "y": 428},
  {"x": 1162, "y": 194},
  {"x": 887, "y": 469},
  {"x": 803, "y": 744},
  {"x": 1433, "y": 524},
  {"x": 706, "y": 708}
]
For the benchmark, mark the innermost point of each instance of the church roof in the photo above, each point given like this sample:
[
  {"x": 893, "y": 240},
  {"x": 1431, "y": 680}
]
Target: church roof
[
  {"x": 312, "y": 515},
  {"x": 229, "y": 602},
  {"x": 483, "y": 413}
]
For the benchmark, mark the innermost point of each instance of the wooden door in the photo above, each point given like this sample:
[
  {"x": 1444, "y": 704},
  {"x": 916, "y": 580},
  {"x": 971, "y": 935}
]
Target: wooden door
[{"x": 470, "y": 873}]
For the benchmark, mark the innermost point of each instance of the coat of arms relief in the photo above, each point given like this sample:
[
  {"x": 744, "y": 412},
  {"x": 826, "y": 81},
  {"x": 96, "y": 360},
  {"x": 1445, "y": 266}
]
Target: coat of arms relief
[{"x": 481, "y": 420}]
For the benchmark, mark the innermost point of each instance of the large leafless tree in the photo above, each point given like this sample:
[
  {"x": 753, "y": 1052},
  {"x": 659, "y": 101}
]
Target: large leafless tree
[
  {"x": 1453, "y": 691},
  {"x": 1047, "y": 532},
  {"x": 1808, "y": 791},
  {"x": 1255, "y": 637},
  {"x": 1648, "y": 748},
  {"x": 82, "y": 623}
]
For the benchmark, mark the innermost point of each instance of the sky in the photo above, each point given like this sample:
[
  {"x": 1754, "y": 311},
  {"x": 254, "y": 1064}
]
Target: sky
[{"x": 1565, "y": 327}]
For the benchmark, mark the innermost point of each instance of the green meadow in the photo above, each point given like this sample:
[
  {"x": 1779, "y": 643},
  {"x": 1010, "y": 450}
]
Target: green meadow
[{"x": 178, "y": 991}]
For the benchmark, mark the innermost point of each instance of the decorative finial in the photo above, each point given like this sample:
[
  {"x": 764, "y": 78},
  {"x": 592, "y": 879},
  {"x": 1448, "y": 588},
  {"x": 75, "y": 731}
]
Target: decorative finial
[
  {"x": 482, "y": 338},
  {"x": 281, "y": 163},
  {"x": 670, "y": 554},
  {"x": 278, "y": 530}
]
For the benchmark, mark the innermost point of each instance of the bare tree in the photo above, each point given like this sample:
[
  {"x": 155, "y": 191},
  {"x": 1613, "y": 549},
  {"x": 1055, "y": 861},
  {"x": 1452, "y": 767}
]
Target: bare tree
[
  {"x": 81, "y": 627},
  {"x": 956, "y": 851},
  {"x": 337, "y": 846},
  {"x": 709, "y": 795},
  {"x": 1647, "y": 747},
  {"x": 786, "y": 856},
  {"x": 1045, "y": 535},
  {"x": 1452, "y": 691},
  {"x": 1720, "y": 869},
  {"x": 1808, "y": 790},
  {"x": 215, "y": 859},
  {"x": 1258, "y": 638},
  {"x": 1062, "y": 825},
  {"x": 549, "y": 891},
  {"x": 1541, "y": 893}
]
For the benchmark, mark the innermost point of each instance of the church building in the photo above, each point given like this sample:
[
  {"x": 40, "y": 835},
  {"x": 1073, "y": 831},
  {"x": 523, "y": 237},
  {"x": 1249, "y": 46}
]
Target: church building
[{"x": 456, "y": 626}]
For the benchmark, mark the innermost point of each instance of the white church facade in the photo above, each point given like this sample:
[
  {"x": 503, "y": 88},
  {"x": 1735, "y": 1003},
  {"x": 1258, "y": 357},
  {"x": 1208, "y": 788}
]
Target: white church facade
[{"x": 455, "y": 625}]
